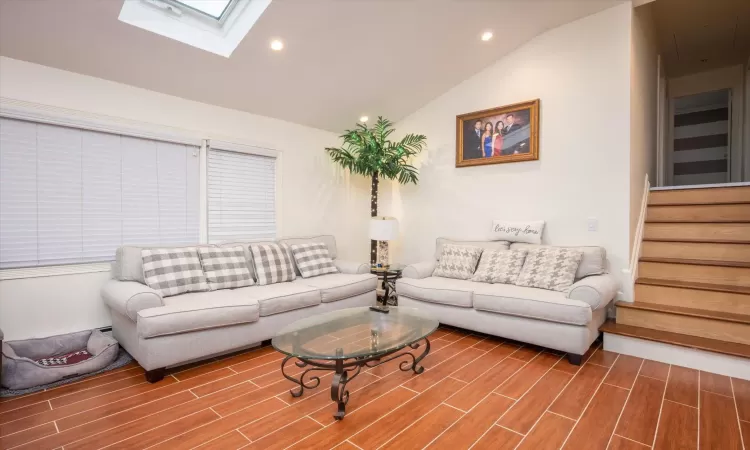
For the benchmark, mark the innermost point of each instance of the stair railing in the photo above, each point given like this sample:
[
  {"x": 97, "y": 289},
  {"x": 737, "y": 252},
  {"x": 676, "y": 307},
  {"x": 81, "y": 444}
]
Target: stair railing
[{"x": 638, "y": 238}]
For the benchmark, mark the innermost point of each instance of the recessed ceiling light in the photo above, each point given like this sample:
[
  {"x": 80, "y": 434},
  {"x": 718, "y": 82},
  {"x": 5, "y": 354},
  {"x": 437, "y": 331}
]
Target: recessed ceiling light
[
  {"x": 277, "y": 45},
  {"x": 364, "y": 119},
  {"x": 487, "y": 35}
]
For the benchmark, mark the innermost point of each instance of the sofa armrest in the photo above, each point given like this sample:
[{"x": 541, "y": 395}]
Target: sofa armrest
[
  {"x": 129, "y": 297},
  {"x": 419, "y": 270},
  {"x": 351, "y": 266},
  {"x": 596, "y": 290}
]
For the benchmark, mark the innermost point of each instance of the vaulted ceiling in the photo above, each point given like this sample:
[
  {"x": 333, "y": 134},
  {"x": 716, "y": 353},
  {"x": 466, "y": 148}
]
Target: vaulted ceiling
[{"x": 342, "y": 59}]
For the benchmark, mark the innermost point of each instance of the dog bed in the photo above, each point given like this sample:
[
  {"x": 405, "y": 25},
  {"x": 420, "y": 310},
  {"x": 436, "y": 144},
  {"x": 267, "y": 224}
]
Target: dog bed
[{"x": 34, "y": 362}]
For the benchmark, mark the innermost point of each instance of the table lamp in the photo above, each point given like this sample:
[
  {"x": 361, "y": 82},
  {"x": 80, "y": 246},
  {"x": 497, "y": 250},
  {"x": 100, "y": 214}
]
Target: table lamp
[{"x": 383, "y": 229}]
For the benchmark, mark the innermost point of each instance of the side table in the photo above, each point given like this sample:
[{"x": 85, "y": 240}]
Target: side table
[{"x": 388, "y": 275}]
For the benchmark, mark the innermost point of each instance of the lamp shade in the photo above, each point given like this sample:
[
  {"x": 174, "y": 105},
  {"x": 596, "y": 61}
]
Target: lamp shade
[{"x": 383, "y": 228}]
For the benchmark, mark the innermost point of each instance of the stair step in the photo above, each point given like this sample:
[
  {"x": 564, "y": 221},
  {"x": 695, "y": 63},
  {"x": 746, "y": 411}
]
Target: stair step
[
  {"x": 665, "y": 319},
  {"x": 683, "y": 311},
  {"x": 696, "y": 262},
  {"x": 700, "y": 196},
  {"x": 683, "y": 340},
  {"x": 694, "y": 285},
  {"x": 696, "y": 251},
  {"x": 698, "y": 232},
  {"x": 699, "y": 213},
  {"x": 729, "y": 276},
  {"x": 690, "y": 297}
]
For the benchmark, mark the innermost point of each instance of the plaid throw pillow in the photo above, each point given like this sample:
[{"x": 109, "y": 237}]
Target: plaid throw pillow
[
  {"x": 313, "y": 259},
  {"x": 273, "y": 263},
  {"x": 173, "y": 271},
  {"x": 225, "y": 268}
]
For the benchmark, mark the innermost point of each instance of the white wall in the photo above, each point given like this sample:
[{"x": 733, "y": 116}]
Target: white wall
[
  {"x": 315, "y": 196},
  {"x": 580, "y": 72},
  {"x": 643, "y": 106}
]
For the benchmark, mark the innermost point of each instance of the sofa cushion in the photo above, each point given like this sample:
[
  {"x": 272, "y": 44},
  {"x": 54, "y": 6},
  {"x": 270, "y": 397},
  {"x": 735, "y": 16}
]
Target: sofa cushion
[
  {"x": 282, "y": 297},
  {"x": 198, "y": 311},
  {"x": 446, "y": 291},
  {"x": 594, "y": 261},
  {"x": 529, "y": 302},
  {"x": 338, "y": 286}
]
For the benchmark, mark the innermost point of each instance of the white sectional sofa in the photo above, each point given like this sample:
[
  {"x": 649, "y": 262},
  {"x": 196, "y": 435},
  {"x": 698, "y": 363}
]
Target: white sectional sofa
[
  {"x": 567, "y": 321},
  {"x": 167, "y": 331}
]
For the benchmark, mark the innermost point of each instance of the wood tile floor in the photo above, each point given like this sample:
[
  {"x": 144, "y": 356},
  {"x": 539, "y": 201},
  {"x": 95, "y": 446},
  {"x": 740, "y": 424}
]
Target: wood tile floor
[{"x": 476, "y": 392}]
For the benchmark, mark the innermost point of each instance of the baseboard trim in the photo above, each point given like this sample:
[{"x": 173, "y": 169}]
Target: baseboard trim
[{"x": 731, "y": 366}]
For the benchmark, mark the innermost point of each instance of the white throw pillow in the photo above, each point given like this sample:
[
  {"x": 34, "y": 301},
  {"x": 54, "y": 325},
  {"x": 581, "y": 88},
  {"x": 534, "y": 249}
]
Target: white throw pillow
[
  {"x": 500, "y": 266},
  {"x": 530, "y": 232},
  {"x": 457, "y": 261},
  {"x": 550, "y": 268}
]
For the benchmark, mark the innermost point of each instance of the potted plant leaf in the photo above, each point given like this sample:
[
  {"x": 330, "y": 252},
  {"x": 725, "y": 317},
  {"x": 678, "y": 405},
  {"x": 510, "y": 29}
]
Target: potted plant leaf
[{"x": 368, "y": 151}]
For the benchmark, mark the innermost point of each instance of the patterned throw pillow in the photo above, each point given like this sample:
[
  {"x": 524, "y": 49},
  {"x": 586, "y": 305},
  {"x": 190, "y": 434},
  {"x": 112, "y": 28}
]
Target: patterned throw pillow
[
  {"x": 500, "y": 266},
  {"x": 550, "y": 268},
  {"x": 457, "y": 261},
  {"x": 273, "y": 263},
  {"x": 173, "y": 271},
  {"x": 313, "y": 259},
  {"x": 225, "y": 268}
]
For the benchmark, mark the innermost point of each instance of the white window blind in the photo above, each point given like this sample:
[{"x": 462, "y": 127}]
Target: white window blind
[
  {"x": 71, "y": 196},
  {"x": 241, "y": 196}
]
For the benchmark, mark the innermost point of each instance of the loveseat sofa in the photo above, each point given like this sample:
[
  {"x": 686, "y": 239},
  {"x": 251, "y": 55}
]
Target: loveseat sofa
[
  {"x": 167, "y": 331},
  {"x": 567, "y": 321}
]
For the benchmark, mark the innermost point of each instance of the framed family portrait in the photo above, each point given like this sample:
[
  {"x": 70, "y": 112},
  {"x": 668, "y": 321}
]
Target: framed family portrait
[{"x": 499, "y": 135}]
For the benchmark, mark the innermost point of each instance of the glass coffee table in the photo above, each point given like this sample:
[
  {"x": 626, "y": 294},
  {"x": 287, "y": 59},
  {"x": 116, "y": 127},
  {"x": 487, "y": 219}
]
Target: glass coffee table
[{"x": 345, "y": 341}]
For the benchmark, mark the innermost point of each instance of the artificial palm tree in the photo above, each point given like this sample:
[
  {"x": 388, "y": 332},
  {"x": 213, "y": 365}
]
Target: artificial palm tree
[{"x": 368, "y": 151}]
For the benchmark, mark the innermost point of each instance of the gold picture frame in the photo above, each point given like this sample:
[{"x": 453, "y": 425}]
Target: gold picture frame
[{"x": 507, "y": 134}]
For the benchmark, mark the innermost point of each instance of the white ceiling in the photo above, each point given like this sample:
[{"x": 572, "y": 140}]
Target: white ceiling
[
  {"x": 698, "y": 35},
  {"x": 342, "y": 59}
]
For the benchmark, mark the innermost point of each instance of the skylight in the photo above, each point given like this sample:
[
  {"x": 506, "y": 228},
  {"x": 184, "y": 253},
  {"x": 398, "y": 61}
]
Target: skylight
[
  {"x": 213, "y": 8},
  {"x": 217, "y": 26}
]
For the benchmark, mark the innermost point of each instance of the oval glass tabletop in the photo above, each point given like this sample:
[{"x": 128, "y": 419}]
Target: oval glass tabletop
[{"x": 354, "y": 333}]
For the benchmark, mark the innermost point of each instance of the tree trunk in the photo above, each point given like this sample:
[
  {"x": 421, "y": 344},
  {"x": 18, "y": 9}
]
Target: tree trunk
[{"x": 373, "y": 213}]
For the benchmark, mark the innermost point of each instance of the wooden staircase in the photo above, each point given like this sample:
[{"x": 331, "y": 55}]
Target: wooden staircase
[{"x": 693, "y": 286}]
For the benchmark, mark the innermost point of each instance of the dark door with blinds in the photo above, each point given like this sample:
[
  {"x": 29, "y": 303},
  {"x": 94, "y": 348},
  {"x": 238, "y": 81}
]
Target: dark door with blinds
[{"x": 701, "y": 139}]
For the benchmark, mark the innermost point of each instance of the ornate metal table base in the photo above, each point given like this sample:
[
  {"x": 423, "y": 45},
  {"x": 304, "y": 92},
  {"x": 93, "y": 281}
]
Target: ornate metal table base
[{"x": 345, "y": 370}]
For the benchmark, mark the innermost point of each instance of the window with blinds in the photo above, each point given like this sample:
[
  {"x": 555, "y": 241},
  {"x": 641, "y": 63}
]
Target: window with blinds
[
  {"x": 241, "y": 196},
  {"x": 71, "y": 196}
]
